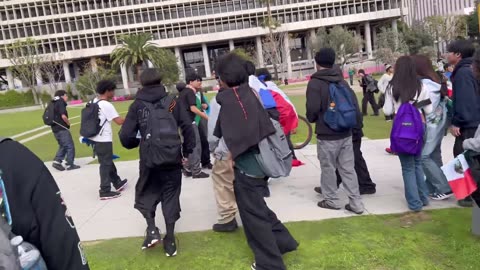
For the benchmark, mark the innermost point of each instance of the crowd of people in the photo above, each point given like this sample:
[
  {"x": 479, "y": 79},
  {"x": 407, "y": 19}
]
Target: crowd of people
[{"x": 231, "y": 127}]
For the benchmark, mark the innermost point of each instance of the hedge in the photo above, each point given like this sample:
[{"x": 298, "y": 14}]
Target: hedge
[{"x": 12, "y": 99}]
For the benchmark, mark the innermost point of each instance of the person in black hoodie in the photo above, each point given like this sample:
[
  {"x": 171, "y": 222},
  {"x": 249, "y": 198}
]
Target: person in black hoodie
[
  {"x": 38, "y": 211},
  {"x": 466, "y": 97},
  {"x": 159, "y": 184},
  {"x": 243, "y": 123},
  {"x": 335, "y": 149}
]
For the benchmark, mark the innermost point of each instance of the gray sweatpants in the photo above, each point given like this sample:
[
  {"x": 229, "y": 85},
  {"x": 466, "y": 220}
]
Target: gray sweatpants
[
  {"x": 338, "y": 155},
  {"x": 194, "y": 159}
]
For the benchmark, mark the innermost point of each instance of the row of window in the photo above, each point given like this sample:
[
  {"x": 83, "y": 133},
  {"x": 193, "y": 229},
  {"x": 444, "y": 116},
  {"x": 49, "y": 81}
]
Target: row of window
[{"x": 69, "y": 25}]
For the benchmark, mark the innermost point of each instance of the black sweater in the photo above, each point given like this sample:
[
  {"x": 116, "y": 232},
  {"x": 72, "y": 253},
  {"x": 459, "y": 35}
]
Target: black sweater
[
  {"x": 466, "y": 96},
  {"x": 38, "y": 211},
  {"x": 318, "y": 97},
  {"x": 137, "y": 118}
]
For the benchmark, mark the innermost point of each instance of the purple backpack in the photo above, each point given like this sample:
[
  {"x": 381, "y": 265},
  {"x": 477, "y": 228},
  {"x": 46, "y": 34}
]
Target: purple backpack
[{"x": 408, "y": 130}]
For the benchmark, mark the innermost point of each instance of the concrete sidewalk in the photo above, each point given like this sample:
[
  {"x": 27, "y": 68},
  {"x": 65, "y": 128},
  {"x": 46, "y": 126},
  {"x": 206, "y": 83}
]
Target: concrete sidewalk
[{"x": 293, "y": 198}]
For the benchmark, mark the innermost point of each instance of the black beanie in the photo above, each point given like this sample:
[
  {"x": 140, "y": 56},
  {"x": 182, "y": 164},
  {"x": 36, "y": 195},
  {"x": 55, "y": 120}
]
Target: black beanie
[
  {"x": 325, "y": 57},
  {"x": 150, "y": 76}
]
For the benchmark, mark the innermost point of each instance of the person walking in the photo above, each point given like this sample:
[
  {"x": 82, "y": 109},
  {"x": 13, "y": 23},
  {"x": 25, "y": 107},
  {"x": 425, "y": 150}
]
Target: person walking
[
  {"x": 243, "y": 123},
  {"x": 369, "y": 88},
  {"x": 406, "y": 87},
  {"x": 437, "y": 183},
  {"x": 351, "y": 73},
  {"x": 61, "y": 131},
  {"x": 222, "y": 175},
  {"x": 466, "y": 98},
  {"x": 193, "y": 106},
  {"x": 335, "y": 148},
  {"x": 162, "y": 181},
  {"x": 104, "y": 141},
  {"x": 382, "y": 87}
]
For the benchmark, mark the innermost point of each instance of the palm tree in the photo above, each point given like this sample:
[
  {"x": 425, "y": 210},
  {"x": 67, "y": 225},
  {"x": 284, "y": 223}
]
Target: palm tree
[{"x": 135, "y": 50}]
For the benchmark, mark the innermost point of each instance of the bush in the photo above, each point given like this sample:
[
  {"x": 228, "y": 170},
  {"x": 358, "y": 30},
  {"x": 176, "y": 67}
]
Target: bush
[{"x": 13, "y": 99}]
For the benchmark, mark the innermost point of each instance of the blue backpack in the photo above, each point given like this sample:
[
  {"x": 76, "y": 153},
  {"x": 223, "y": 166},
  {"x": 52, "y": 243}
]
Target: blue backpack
[
  {"x": 341, "y": 114},
  {"x": 407, "y": 131}
]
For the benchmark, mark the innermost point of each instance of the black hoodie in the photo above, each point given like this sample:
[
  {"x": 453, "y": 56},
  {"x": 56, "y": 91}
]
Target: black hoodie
[
  {"x": 317, "y": 103},
  {"x": 466, "y": 96},
  {"x": 137, "y": 119},
  {"x": 38, "y": 211}
]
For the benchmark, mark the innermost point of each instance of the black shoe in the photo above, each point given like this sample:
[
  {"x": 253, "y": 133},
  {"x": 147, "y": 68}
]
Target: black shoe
[
  {"x": 57, "y": 165},
  {"x": 318, "y": 190},
  {"x": 326, "y": 205},
  {"x": 187, "y": 173},
  {"x": 467, "y": 202},
  {"x": 349, "y": 208},
  {"x": 253, "y": 266},
  {"x": 108, "y": 195},
  {"x": 72, "y": 167},
  {"x": 201, "y": 175},
  {"x": 152, "y": 238},
  {"x": 170, "y": 247},
  {"x": 208, "y": 166},
  {"x": 368, "y": 192},
  {"x": 227, "y": 227},
  {"x": 121, "y": 185}
]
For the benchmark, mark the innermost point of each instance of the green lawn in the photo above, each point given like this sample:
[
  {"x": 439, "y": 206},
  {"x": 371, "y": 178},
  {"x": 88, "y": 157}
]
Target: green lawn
[
  {"x": 46, "y": 146},
  {"x": 437, "y": 239}
]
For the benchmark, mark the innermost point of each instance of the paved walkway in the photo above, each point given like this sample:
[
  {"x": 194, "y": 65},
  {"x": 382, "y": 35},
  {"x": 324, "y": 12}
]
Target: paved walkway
[{"x": 293, "y": 199}]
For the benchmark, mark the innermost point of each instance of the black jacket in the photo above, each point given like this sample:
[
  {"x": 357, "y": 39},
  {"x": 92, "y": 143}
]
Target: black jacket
[
  {"x": 318, "y": 97},
  {"x": 137, "y": 118},
  {"x": 59, "y": 109},
  {"x": 38, "y": 211},
  {"x": 466, "y": 96}
]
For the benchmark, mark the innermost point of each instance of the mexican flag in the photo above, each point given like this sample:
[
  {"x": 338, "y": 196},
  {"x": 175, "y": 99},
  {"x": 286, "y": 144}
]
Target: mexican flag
[{"x": 459, "y": 177}]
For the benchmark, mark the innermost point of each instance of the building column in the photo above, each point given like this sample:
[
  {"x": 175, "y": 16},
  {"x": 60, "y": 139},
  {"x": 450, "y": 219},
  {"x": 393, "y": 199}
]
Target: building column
[
  {"x": 124, "y": 72},
  {"x": 395, "y": 30},
  {"x": 179, "y": 57},
  {"x": 76, "y": 70},
  {"x": 260, "y": 61},
  {"x": 312, "y": 35},
  {"x": 38, "y": 76},
  {"x": 368, "y": 40},
  {"x": 66, "y": 72},
  {"x": 286, "y": 47},
  {"x": 231, "y": 44},
  {"x": 10, "y": 79},
  {"x": 375, "y": 45},
  {"x": 93, "y": 64},
  {"x": 206, "y": 61},
  {"x": 358, "y": 33}
]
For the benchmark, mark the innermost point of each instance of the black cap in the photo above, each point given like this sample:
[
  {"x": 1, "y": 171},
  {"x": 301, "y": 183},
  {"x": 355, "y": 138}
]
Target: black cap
[
  {"x": 150, "y": 76},
  {"x": 325, "y": 57}
]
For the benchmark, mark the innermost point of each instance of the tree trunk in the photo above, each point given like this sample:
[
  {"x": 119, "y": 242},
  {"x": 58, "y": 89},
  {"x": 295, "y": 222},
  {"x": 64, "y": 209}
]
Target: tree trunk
[{"x": 272, "y": 42}]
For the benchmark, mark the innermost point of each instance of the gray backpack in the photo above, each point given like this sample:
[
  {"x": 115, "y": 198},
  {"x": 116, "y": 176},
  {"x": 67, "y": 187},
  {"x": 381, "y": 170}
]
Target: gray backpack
[
  {"x": 275, "y": 157},
  {"x": 8, "y": 257}
]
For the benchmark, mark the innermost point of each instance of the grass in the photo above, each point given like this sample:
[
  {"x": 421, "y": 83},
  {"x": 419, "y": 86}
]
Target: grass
[
  {"x": 437, "y": 239},
  {"x": 46, "y": 146}
]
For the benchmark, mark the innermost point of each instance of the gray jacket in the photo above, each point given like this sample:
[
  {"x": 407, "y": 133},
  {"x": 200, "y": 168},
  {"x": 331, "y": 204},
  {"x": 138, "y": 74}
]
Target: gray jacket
[
  {"x": 217, "y": 145},
  {"x": 473, "y": 143}
]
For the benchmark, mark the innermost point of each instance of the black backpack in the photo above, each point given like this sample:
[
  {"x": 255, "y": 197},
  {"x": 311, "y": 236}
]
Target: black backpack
[
  {"x": 49, "y": 114},
  {"x": 90, "y": 124},
  {"x": 161, "y": 143}
]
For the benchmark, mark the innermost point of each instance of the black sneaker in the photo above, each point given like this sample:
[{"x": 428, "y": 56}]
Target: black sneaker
[
  {"x": 227, "y": 227},
  {"x": 201, "y": 175},
  {"x": 368, "y": 192},
  {"x": 253, "y": 266},
  {"x": 57, "y": 165},
  {"x": 170, "y": 247},
  {"x": 349, "y": 208},
  {"x": 108, "y": 195},
  {"x": 72, "y": 167},
  {"x": 318, "y": 190},
  {"x": 152, "y": 237},
  {"x": 121, "y": 185},
  {"x": 208, "y": 166},
  {"x": 187, "y": 173}
]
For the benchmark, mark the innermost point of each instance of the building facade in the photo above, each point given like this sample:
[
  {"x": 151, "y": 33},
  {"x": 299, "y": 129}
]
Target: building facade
[
  {"x": 418, "y": 10},
  {"x": 197, "y": 31}
]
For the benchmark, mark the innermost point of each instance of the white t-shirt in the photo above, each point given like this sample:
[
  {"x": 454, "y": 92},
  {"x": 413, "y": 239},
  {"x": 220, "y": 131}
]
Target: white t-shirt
[{"x": 106, "y": 115}]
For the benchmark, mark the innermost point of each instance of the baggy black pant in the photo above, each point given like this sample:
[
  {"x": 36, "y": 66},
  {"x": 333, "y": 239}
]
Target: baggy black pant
[
  {"x": 108, "y": 171},
  {"x": 365, "y": 182},
  {"x": 369, "y": 97},
  {"x": 203, "y": 131},
  {"x": 157, "y": 185},
  {"x": 266, "y": 235}
]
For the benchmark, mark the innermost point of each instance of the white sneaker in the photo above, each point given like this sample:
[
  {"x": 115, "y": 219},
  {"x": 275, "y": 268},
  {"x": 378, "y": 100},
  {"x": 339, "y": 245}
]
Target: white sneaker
[{"x": 441, "y": 197}]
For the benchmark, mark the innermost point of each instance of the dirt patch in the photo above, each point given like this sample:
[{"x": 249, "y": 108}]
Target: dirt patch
[{"x": 410, "y": 219}]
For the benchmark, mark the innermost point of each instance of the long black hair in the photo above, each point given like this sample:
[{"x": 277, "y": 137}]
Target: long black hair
[
  {"x": 425, "y": 70},
  {"x": 405, "y": 83}
]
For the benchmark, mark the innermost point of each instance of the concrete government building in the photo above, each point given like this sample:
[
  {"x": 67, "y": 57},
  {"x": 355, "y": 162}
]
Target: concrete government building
[{"x": 197, "y": 31}]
